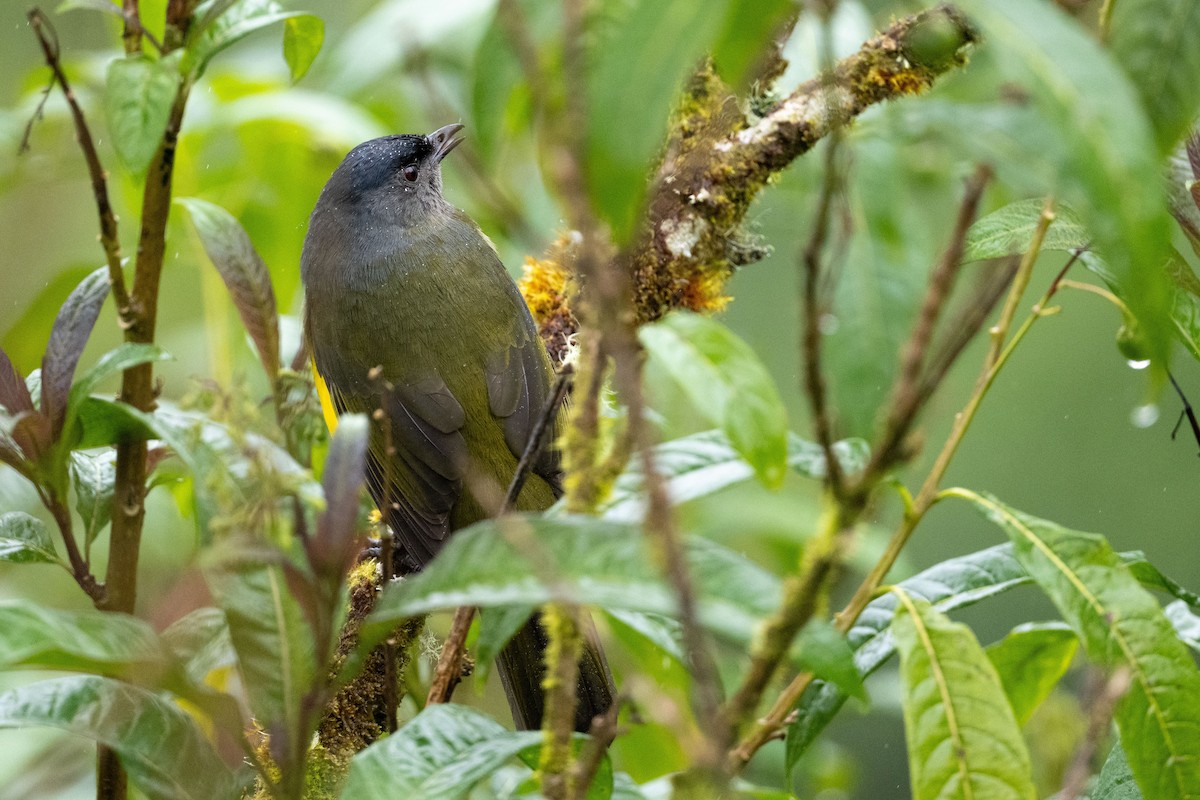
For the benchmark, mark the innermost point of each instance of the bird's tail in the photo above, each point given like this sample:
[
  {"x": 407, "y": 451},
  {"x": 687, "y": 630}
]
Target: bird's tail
[{"x": 522, "y": 666}]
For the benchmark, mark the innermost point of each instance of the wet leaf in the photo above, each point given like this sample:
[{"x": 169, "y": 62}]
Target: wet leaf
[
  {"x": 93, "y": 476},
  {"x": 24, "y": 540},
  {"x": 1030, "y": 661},
  {"x": 160, "y": 746}
]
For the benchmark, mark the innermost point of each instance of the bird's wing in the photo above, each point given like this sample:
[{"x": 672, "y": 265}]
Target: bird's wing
[
  {"x": 418, "y": 487},
  {"x": 519, "y": 383}
]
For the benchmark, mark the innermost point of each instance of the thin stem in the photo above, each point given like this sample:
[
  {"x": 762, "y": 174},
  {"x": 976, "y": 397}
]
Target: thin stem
[
  {"x": 109, "y": 238},
  {"x": 564, "y": 648},
  {"x": 995, "y": 360},
  {"x": 537, "y": 440}
]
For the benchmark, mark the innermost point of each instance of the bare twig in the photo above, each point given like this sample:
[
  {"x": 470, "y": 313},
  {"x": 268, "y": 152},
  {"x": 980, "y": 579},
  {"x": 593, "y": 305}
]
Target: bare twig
[
  {"x": 537, "y": 439},
  {"x": 603, "y": 732},
  {"x": 564, "y": 648},
  {"x": 1187, "y": 411},
  {"x": 109, "y": 238},
  {"x": 1101, "y": 696},
  {"x": 814, "y": 377},
  {"x": 906, "y": 394},
  {"x": 449, "y": 667},
  {"x": 132, "y": 34}
]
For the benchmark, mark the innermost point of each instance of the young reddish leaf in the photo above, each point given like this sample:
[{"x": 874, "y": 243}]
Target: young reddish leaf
[
  {"x": 245, "y": 274},
  {"x": 31, "y": 431},
  {"x": 333, "y": 547},
  {"x": 72, "y": 327},
  {"x": 14, "y": 394}
]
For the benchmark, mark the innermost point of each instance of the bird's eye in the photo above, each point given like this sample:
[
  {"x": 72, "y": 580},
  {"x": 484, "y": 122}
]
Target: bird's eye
[{"x": 410, "y": 173}]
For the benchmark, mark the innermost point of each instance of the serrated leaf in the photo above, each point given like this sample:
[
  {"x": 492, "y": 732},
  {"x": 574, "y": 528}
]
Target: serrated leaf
[
  {"x": 161, "y": 748},
  {"x": 138, "y": 96},
  {"x": 94, "y": 476},
  {"x": 702, "y": 463},
  {"x": 24, "y": 540},
  {"x": 70, "y": 333},
  {"x": 245, "y": 275},
  {"x": 443, "y": 752},
  {"x": 1030, "y": 662},
  {"x": 726, "y": 382},
  {"x": 1008, "y": 231},
  {"x": 1155, "y": 43},
  {"x": 963, "y": 740},
  {"x": 529, "y": 561},
  {"x": 1121, "y": 626},
  {"x": 636, "y": 66},
  {"x": 33, "y": 636},
  {"x": 1098, "y": 143},
  {"x": 303, "y": 36}
]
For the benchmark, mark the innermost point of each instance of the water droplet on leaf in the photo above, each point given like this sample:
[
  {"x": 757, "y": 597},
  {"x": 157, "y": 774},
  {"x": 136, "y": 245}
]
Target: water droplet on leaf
[{"x": 1138, "y": 363}]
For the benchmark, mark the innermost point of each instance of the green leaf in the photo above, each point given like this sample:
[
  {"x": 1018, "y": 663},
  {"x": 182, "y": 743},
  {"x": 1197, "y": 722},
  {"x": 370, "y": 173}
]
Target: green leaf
[
  {"x": 1009, "y": 230},
  {"x": 443, "y": 752},
  {"x": 963, "y": 740},
  {"x": 824, "y": 652},
  {"x": 100, "y": 422},
  {"x": 745, "y": 36},
  {"x": 529, "y": 561},
  {"x": 33, "y": 636},
  {"x": 103, "y": 6},
  {"x": 1116, "y": 781},
  {"x": 93, "y": 477},
  {"x": 702, "y": 463},
  {"x": 1099, "y": 145},
  {"x": 121, "y": 358},
  {"x": 1121, "y": 626},
  {"x": 1185, "y": 623},
  {"x": 727, "y": 383},
  {"x": 954, "y": 583},
  {"x": 1155, "y": 43},
  {"x": 162, "y": 748},
  {"x": 302, "y": 39},
  {"x": 497, "y": 626},
  {"x": 138, "y": 97},
  {"x": 332, "y": 549},
  {"x": 24, "y": 540},
  {"x": 225, "y": 23},
  {"x": 273, "y": 641},
  {"x": 1031, "y": 660},
  {"x": 637, "y": 64},
  {"x": 245, "y": 275}
]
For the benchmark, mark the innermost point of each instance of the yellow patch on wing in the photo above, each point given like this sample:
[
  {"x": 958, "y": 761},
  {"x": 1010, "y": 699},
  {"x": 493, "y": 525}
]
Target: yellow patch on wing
[{"x": 327, "y": 409}]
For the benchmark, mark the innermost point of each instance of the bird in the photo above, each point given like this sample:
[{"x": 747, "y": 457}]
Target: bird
[{"x": 412, "y": 319}]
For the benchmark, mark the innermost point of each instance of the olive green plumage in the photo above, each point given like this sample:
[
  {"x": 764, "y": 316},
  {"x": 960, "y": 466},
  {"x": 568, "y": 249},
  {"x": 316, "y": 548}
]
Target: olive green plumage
[{"x": 409, "y": 311}]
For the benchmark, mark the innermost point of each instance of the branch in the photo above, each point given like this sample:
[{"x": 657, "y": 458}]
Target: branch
[
  {"x": 716, "y": 164},
  {"x": 109, "y": 239},
  {"x": 449, "y": 667}
]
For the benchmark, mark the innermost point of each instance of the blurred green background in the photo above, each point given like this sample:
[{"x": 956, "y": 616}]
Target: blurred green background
[{"x": 1054, "y": 438}]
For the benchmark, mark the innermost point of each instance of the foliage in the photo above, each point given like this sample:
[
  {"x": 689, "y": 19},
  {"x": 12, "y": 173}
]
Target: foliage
[{"x": 716, "y": 533}]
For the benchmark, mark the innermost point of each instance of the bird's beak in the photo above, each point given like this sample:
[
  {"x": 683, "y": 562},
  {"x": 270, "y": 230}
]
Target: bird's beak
[{"x": 443, "y": 140}]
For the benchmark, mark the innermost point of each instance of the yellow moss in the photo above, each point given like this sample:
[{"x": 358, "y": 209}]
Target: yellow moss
[{"x": 543, "y": 284}]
